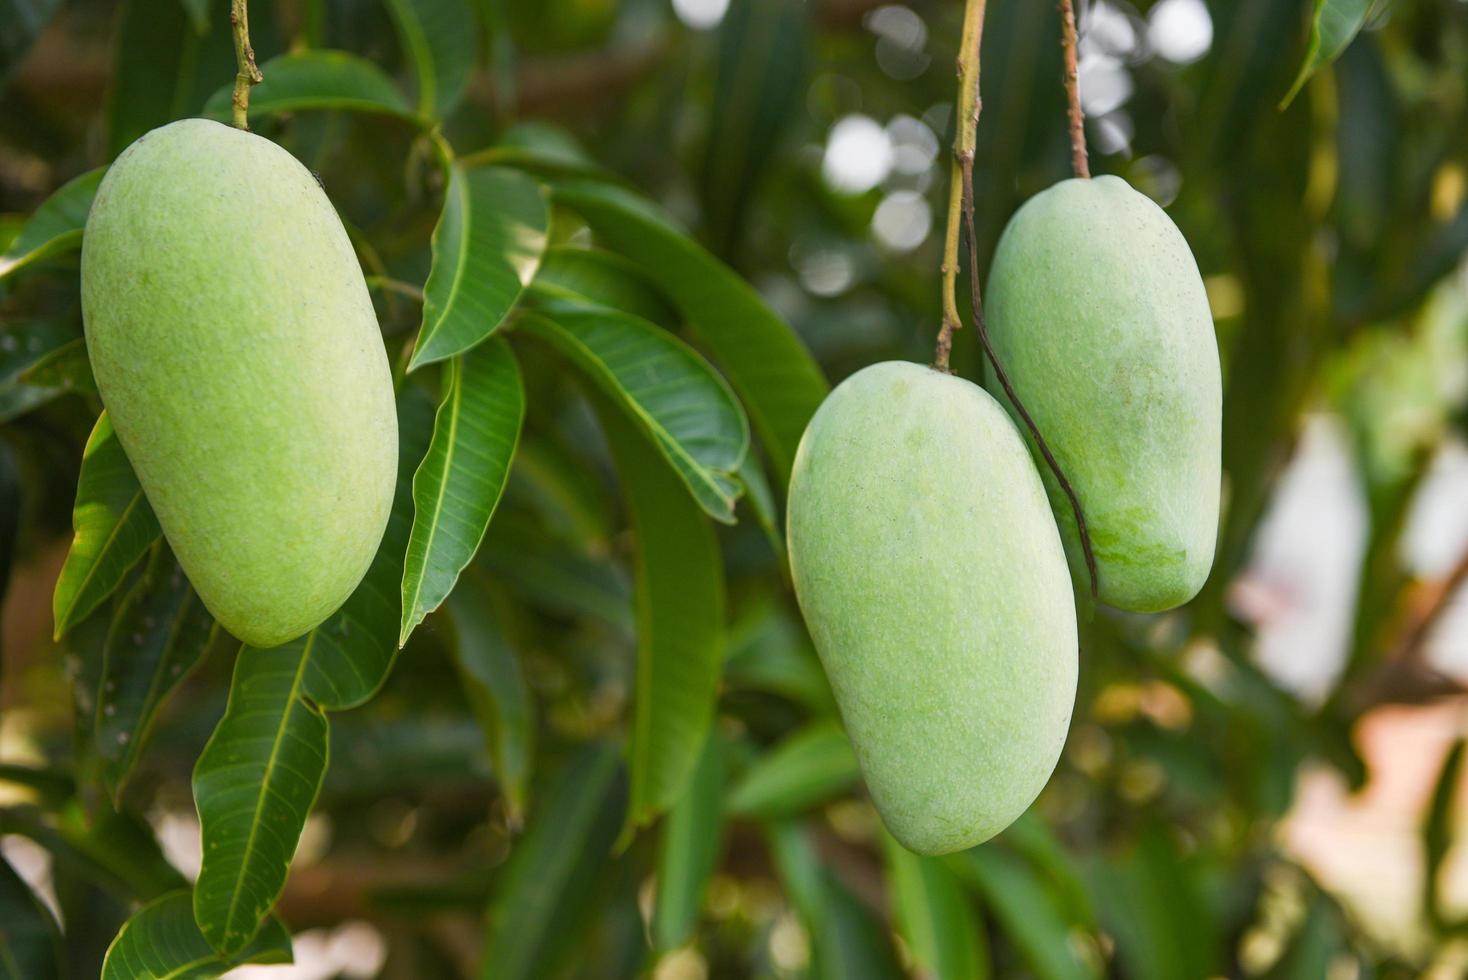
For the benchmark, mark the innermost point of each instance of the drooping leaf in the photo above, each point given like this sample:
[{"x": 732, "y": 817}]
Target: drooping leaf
[
  {"x": 809, "y": 767},
  {"x": 30, "y": 943},
  {"x": 544, "y": 888},
  {"x": 26, "y": 345},
  {"x": 355, "y": 649},
  {"x": 66, "y": 368},
  {"x": 317, "y": 80},
  {"x": 1025, "y": 909},
  {"x": 680, "y": 621},
  {"x": 770, "y": 651},
  {"x": 459, "y": 483},
  {"x": 438, "y": 37},
  {"x": 593, "y": 275},
  {"x": 674, "y": 397},
  {"x": 162, "y": 942},
  {"x": 1437, "y": 832},
  {"x": 1333, "y": 25},
  {"x": 159, "y": 634},
  {"x": 166, "y": 64},
  {"x": 56, "y": 226},
  {"x": 24, "y": 20},
  {"x": 934, "y": 916},
  {"x": 487, "y": 245},
  {"x": 496, "y": 688},
  {"x": 113, "y": 524},
  {"x": 254, "y": 785},
  {"x": 116, "y": 851},
  {"x": 689, "y": 850},
  {"x": 777, "y": 380}
]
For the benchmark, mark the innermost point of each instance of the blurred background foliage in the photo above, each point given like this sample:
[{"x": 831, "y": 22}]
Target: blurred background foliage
[{"x": 1264, "y": 783}]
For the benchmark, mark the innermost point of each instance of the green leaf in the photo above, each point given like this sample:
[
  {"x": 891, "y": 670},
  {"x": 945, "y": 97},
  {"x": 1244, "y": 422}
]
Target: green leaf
[
  {"x": 56, "y": 226},
  {"x": 1334, "y": 24},
  {"x": 66, "y": 368},
  {"x": 113, "y": 527},
  {"x": 25, "y": 346},
  {"x": 777, "y": 380},
  {"x": 689, "y": 850},
  {"x": 1437, "y": 832},
  {"x": 495, "y": 686},
  {"x": 165, "y": 65},
  {"x": 680, "y": 620},
  {"x": 439, "y": 38},
  {"x": 487, "y": 245},
  {"x": 1025, "y": 909},
  {"x": 24, "y": 21},
  {"x": 770, "y": 651},
  {"x": 162, "y": 942},
  {"x": 809, "y": 767},
  {"x": 254, "y": 785},
  {"x": 934, "y": 916},
  {"x": 672, "y": 394},
  {"x": 604, "y": 278},
  {"x": 544, "y": 887},
  {"x": 459, "y": 483},
  {"x": 317, "y": 80},
  {"x": 30, "y": 943},
  {"x": 159, "y": 634},
  {"x": 355, "y": 649}
]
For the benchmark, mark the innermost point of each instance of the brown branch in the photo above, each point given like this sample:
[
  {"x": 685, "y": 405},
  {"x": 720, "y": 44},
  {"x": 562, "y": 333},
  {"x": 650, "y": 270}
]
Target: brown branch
[
  {"x": 1078, "y": 156},
  {"x": 248, "y": 74}
]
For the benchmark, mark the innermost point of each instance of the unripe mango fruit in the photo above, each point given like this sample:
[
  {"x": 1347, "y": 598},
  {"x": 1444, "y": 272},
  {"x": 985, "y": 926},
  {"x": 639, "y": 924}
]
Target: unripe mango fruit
[
  {"x": 933, "y": 581},
  {"x": 238, "y": 355},
  {"x": 1098, "y": 315}
]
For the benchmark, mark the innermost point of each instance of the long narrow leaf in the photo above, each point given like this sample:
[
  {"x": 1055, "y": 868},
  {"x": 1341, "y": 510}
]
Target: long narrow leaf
[
  {"x": 486, "y": 248},
  {"x": 113, "y": 527},
  {"x": 162, "y": 942},
  {"x": 778, "y": 381},
  {"x": 936, "y": 919},
  {"x": 689, "y": 850},
  {"x": 438, "y": 36},
  {"x": 1026, "y": 911},
  {"x": 30, "y": 943},
  {"x": 680, "y": 621},
  {"x": 254, "y": 785},
  {"x": 1333, "y": 25},
  {"x": 317, "y": 80},
  {"x": 459, "y": 483},
  {"x": 56, "y": 226},
  {"x": 810, "y": 767}
]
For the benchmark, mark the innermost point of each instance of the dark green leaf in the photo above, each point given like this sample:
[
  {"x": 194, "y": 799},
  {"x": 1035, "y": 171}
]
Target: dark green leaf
[
  {"x": 604, "y": 278},
  {"x": 30, "y": 943},
  {"x": 355, "y": 649},
  {"x": 488, "y": 243},
  {"x": 770, "y": 651},
  {"x": 1437, "y": 831},
  {"x": 689, "y": 850},
  {"x": 495, "y": 686},
  {"x": 934, "y": 916},
  {"x": 114, "y": 526},
  {"x": 64, "y": 369},
  {"x": 26, "y": 346},
  {"x": 778, "y": 381},
  {"x": 317, "y": 80},
  {"x": 56, "y": 226},
  {"x": 670, "y": 392},
  {"x": 680, "y": 621},
  {"x": 1025, "y": 909},
  {"x": 1333, "y": 25},
  {"x": 438, "y": 37},
  {"x": 254, "y": 785},
  {"x": 160, "y": 632},
  {"x": 24, "y": 20},
  {"x": 808, "y": 768},
  {"x": 544, "y": 887},
  {"x": 458, "y": 484},
  {"x": 162, "y": 942}
]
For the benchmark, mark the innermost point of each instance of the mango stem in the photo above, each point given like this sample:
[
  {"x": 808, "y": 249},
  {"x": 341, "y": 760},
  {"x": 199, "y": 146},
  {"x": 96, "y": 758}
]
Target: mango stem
[
  {"x": 1080, "y": 162},
  {"x": 248, "y": 73},
  {"x": 965, "y": 138}
]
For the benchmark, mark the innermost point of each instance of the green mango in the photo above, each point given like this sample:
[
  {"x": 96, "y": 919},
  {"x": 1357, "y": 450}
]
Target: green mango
[
  {"x": 934, "y": 584},
  {"x": 238, "y": 355},
  {"x": 1099, "y": 317}
]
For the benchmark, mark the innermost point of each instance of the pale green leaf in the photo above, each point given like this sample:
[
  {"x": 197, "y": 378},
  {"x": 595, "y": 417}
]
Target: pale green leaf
[
  {"x": 1026, "y": 910},
  {"x": 934, "y": 917},
  {"x": 487, "y": 246},
  {"x": 438, "y": 37},
  {"x": 809, "y": 767},
  {"x": 778, "y": 381},
  {"x": 317, "y": 80},
  {"x": 672, "y": 394},
  {"x": 254, "y": 785},
  {"x": 113, "y": 527},
  {"x": 680, "y": 621},
  {"x": 56, "y": 226},
  {"x": 159, "y": 634},
  {"x": 689, "y": 850},
  {"x": 459, "y": 483},
  {"x": 162, "y": 942}
]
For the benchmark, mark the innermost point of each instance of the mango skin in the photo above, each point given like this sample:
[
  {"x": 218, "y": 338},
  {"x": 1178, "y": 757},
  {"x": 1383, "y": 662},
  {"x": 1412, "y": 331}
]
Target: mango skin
[
  {"x": 934, "y": 584},
  {"x": 1099, "y": 316},
  {"x": 237, "y": 352}
]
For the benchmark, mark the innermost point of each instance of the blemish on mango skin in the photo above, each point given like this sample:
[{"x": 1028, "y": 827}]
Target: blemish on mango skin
[
  {"x": 1100, "y": 317},
  {"x": 933, "y": 581}
]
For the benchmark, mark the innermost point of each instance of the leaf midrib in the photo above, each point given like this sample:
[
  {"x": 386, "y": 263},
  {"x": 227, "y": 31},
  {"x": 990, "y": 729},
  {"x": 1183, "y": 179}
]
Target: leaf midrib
[{"x": 456, "y": 400}]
